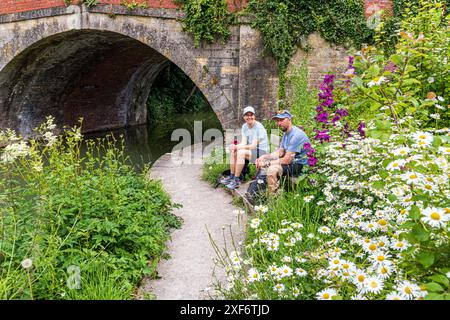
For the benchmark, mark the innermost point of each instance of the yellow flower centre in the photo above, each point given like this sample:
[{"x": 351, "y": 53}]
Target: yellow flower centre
[
  {"x": 366, "y": 240},
  {"x": 435, "y": 216},
  {"x": 374, "y": 284},
  {"x": 381, "y": 244},
  {"x": 428, "y": 187},
  {"x": 400, "y": 244},
  {"x": 402, "y": 151},
  {"x": 326, "y": 296},
  {"x": 382, "y": 222},
  {"x": 408, "y": 290},
  {"x": 346, "y": 266},
  {"x": 430, "y": 179},
  {"x": 383, "y": 270},
  {"x": 376, "y": 79},
  {"x": 380, "y": 258},
  {"x": 359, "y": 213},
  {"x": 336, "y": 261},
  {"x": 255, "y": 275},
  {"x": 372, "y": 247},
  {"x": 412, "y": 176},
  {"x": 447, "y": 210},
  {"x": 422, "y": 143},
  {"x": 422, "y": 136},
  {"x": 361, "y": 278},
  {"x": 403, "y": 211},
  {"x": 395, "y": 164}
]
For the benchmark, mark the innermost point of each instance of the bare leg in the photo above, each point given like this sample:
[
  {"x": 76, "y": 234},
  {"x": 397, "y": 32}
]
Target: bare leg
[
  {"x": 273, "y": 172},
  {"x": 233, "y": 156},
  {"x": 241, "y": 156}
]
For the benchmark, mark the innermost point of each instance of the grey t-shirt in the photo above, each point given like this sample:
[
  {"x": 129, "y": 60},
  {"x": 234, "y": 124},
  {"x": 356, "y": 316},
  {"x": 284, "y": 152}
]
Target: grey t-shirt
[
  {"x": 257, "y": 131},
  {"x": 293, "y": 142}
]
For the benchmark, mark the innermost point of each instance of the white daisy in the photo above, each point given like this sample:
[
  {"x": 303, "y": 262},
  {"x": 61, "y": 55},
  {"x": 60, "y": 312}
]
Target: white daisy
[
  {"x": 396, "y": 165},
  {"x": 373, "y": 285},
  {"x": 404, "y": 151},
  {"x": 324, "y": 230},
  {"x": 253, "y": 275},
  {"x": 326, "y": 294},
  {"x": 376, "y": 81},
  {"x": 408, "y": 290},
  {"x": 434, "y": 217}
]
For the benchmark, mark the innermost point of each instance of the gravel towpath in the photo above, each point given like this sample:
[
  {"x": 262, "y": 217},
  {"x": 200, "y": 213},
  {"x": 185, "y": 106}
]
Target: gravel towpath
[{"x": 191, "y": 270}]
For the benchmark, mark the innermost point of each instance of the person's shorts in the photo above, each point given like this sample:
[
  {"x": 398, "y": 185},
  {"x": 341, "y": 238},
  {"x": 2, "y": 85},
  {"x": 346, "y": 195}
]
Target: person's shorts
[
  {"x": 254, "y": 155},
  {"x": 293, "y": 169}
]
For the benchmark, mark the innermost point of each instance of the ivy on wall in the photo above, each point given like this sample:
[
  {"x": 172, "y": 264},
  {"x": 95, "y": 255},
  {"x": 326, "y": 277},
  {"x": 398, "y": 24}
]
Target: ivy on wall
[
  {"x": 285, "y": 24},
  {"x": 206, "y": 20}
]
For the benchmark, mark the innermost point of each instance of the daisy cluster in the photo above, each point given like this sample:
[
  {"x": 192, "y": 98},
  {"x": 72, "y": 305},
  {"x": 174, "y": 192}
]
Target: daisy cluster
[
  {"x": 377, "y": 192},
  {"x": 363, "y": 249}
]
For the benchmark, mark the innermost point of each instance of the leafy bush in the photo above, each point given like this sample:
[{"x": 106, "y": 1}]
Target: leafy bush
[{"x": 63, "y": 209}]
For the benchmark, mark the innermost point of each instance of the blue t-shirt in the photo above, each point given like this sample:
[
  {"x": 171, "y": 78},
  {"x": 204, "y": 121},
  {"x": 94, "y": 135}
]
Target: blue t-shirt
[
  {"x": 293, "y": 142},
  {"x": 257, "y": 131}
]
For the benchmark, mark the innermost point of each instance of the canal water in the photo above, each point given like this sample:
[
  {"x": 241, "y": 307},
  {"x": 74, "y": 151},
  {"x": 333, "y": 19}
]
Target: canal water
[{"x": 144, "y": 144}]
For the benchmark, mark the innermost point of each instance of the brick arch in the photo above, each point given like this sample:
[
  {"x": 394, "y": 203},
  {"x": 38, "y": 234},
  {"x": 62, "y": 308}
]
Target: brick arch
[{"x": 163, "y": 39}]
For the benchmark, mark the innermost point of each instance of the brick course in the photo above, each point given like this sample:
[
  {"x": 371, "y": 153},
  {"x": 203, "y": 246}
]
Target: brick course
[{"x": 14, "y": 6}]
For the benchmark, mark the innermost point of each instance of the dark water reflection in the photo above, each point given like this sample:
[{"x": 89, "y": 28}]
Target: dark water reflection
[{"x": 144, "y": 144}]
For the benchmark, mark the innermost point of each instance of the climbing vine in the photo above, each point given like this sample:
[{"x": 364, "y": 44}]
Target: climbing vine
[
  {"x": 206, "y": 20},
  {"x": 285, "y": 24}
]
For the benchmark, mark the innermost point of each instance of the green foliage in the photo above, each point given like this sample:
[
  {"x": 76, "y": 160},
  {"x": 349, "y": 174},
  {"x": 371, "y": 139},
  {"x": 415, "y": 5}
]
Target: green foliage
[
  {"x": 207, "y": 20},
  {"x": 413, "y": 80},
  {"x": 302, "y": 101},
  {"x": 388, "y": 36},
  {"x": 285, "y": 24},
  {"x": 174, "y": 92},
  {"x": 62, "y": 207},
  {"x": 132, "y": 4}
]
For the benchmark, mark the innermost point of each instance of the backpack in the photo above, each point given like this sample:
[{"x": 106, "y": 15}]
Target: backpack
[{"x": 257, "y": 187}]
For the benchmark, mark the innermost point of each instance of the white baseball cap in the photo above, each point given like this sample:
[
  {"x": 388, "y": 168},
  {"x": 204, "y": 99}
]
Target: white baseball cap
[{"x": 248, "y": 109}]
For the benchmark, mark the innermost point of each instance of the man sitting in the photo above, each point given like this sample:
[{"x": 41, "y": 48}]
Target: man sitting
[{"x": 290, "y": 158}]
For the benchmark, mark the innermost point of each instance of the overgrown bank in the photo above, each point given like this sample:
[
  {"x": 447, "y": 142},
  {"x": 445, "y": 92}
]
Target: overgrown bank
[
  {"x": 73, "y": 224},
  {"x": 371, "y": 220}
]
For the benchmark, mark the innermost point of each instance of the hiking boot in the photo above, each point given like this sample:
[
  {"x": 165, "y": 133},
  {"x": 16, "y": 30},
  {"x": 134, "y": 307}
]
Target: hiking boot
[
  {"x": 234, "y": 184},
  {"x": 226, "y": 180}
]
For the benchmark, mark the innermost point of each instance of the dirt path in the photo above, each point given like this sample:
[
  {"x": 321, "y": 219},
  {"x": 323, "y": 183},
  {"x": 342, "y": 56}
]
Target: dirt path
[{"x": 190, "y": 270}]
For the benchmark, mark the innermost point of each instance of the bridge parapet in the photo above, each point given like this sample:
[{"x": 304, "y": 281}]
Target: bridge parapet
[{"x": 15, "y": 6}]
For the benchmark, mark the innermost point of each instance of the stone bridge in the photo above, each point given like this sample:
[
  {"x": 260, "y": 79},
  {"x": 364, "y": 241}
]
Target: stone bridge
[{"x": 100, "y": 63}]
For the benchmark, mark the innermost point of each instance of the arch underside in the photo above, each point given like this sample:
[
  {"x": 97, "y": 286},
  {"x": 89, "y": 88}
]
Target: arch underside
[{"x": 104, "y": 76}]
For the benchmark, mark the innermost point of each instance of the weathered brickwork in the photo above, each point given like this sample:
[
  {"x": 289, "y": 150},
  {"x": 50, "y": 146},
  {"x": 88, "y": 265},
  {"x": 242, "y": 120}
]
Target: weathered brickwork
[{"x": 14, "y": 6}]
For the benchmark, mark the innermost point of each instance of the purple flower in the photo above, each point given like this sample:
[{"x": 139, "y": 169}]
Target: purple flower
[
  {"x": 312, "y": 161},
  {"x": 322, "y": 135},
  {"x": 342, "y": 112},
  {"x": 390, "y": 66},
  {"x": 361, "y": 127},
  {"x": 322, "y": 117},
  {"x": 307, "y": 146}
]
